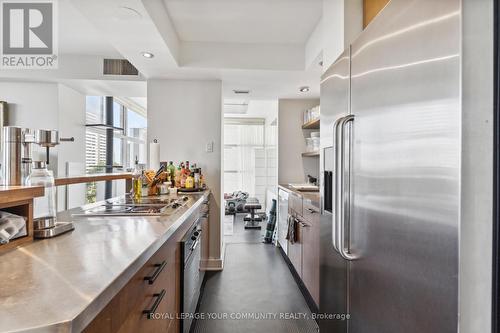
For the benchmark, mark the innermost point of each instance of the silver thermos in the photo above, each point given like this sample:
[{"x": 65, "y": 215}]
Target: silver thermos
[
  {"x": 11, "y": 155},
  {"x": 4, "y": 116}
]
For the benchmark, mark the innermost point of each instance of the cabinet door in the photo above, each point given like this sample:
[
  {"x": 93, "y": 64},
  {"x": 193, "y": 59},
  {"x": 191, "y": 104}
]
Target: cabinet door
[
  {"x": 310, "y": 251},
  {"x": 295, "y": 251},
  {"x": 295, "y": 202}
]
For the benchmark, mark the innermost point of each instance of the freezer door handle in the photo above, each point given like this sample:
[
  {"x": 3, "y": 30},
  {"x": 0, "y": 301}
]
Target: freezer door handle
[
  {"x": 342, "y": 215},
  {"x": 335, "y": 185}
]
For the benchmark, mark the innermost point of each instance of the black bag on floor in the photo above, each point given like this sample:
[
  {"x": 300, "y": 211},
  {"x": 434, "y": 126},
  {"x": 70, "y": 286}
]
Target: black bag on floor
[{"x": 271, "y": 223}]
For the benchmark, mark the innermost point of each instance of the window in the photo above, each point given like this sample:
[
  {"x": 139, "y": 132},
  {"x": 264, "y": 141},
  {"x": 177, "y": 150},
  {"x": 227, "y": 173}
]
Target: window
[
  {"x": 127, "y": 143},
  {"x": 244, "y": 156}
]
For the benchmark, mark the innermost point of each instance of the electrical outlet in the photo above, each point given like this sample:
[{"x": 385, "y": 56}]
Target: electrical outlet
[{"x": 209, "y": 148}]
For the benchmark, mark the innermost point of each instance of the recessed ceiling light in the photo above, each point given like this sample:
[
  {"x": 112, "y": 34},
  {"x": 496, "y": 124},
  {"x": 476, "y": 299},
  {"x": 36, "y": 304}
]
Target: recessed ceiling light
[
  {"x": 236, "y": 91},
  {"x": 304, "y": 89},
  {"x": 148, "y": 55}
]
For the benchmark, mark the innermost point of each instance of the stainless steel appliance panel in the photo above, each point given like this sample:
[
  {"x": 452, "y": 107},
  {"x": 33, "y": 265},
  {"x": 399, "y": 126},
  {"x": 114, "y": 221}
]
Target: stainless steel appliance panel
[
  {"x": 283, "y": 219},
  {"x": 12, "y": 154},
  {"x": 333, "y": 268},
  {"x": 191, "y": 274},
  {"x": 406, "y": 170}
]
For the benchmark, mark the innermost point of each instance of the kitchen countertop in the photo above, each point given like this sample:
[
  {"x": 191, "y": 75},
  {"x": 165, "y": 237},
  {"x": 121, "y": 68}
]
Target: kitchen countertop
[
  {"x": 61, "y": 284},
  {"x": 314, "y": 197}
]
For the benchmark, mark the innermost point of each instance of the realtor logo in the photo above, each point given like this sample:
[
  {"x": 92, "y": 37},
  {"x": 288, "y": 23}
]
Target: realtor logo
[{"x": 28, "y": 34}]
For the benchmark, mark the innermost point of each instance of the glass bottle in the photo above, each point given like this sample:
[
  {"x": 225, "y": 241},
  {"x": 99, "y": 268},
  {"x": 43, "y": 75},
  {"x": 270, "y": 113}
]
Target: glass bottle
[
  {"x": 144, "y": 185},
  {"x": 189, "y": 182},
  {"x": 171, "y": 172},
  {"x": 196, "y": 178},
  {"x": 178, "y": 173},
  {"x": 43, "y": 207},
  {"x": 136, "y": 181}
]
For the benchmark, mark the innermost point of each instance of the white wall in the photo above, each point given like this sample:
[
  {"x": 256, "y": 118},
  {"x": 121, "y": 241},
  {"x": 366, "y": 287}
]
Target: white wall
[
  {"x": 342, "y": 22},
  {"x": 50, "y": 106},
  {"x": 71, "y": 124},
  {"x": 292, "y": 167},
  {"x": 184, "y": 116}
]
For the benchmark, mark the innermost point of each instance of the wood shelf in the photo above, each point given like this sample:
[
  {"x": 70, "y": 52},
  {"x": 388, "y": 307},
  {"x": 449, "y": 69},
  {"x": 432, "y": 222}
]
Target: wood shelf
[
  {"x": 18, "y": 193},
  {"x": 18, "y": 200},
  {"x": 98, "y": 177},
  {"x": 311, "y": 154},
  {"x": 313, "y": 124}
]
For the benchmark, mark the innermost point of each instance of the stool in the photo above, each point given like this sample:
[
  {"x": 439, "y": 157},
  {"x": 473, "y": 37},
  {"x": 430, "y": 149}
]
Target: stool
[{"x": 252, "y": 220}]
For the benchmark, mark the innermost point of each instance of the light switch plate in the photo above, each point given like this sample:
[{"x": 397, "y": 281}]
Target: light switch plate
[{"x": 209, "y": 147}]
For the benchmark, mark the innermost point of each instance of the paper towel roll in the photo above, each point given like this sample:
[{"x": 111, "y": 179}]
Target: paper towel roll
[{"x": 154, "y": 155}]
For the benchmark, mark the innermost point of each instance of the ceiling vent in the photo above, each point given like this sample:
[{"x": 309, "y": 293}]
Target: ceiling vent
[
  {"x": 241, "y": 92},
  {"x": 119, "y": 67},
  {"x": 235, "y": 107}
]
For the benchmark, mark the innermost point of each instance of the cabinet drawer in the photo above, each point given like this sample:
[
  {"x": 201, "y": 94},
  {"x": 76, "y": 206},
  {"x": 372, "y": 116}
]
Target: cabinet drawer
[
  {"x": 310, "y": 212},
  {"x": 295, "y": 203},
  {"x": 156, "y": 276},
  {"x": 125, "y": 311}
]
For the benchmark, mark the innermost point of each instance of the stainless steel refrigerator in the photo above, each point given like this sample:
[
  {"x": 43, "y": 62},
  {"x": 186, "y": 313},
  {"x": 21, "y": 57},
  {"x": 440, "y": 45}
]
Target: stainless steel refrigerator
[{"x": 390, "y": 160}]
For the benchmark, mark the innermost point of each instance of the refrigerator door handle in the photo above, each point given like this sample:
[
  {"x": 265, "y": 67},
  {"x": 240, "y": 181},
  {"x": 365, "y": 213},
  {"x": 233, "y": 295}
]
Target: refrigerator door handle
[
  {"x": 335, "y": 185},
  {"x": 342, "y": 200}
]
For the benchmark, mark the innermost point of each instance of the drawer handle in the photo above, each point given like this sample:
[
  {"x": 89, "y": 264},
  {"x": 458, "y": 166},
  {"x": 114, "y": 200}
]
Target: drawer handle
[
  {"x": 149, "y": 312},
  {"x": 302, "y": 224},
  {"x": 159, "y": 267}
]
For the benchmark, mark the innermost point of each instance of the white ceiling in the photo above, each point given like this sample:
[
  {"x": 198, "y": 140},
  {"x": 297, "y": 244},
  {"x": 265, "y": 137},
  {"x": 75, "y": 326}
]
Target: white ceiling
[
  {"x": 256, "y": 45},
  {"x": 78, "y": 36},
  {"x": 242, "y": 21}
]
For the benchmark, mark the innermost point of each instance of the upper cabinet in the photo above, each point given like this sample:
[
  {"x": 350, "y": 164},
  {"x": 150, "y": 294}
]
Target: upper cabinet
[{"x": 371, "y": 8}]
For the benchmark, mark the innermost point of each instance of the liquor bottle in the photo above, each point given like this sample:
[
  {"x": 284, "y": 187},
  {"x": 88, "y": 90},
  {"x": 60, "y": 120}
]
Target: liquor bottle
[
  {"x": 144, "y": 185},
  {"x": 187, "y": 170},
  {"x": 189, "y": 182},
  {"x": 177, "y": 178},
  {"x": 183, "y": 178},
  {"x": 171, "y": 172},
  {"x": 196, "y": 173}
]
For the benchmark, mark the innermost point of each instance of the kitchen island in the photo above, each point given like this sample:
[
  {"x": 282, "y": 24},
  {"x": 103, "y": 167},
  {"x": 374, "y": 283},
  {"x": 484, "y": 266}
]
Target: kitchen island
[{"x": 73, "y": 282}]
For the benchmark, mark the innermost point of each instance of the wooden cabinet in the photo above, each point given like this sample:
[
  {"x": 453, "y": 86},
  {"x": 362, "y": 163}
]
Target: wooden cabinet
[
  {"x": 304, "y": 253},
  {"x": 156, "y": 286},
  {"x": 153, "y": 287},
  {"x": 295, "y": 204},
  {"x": 371, "y": 8},
  {"x": 310, "y": 250}
]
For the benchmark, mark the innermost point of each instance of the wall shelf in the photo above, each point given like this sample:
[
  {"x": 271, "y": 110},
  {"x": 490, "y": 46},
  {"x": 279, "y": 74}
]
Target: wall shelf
[
  {"x": 311, "y": 154},
  {"x": 98, "y": 177},
  {"x": 104, "y": 126},
  {"x": 313, "y": 124}
]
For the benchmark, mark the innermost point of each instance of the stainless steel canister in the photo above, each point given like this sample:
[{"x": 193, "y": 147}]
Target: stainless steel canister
[{"x": 11, "y": 155}]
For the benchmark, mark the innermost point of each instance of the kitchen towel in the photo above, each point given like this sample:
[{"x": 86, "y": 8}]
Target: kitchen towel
[
  {"x": 11, "y": 226},
  {"x": 154, "y": 155},
  {"x": 291, "y": 234}
]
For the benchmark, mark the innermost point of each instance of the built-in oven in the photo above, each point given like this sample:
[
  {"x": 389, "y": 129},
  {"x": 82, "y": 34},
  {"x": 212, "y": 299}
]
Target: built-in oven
[{"x": 191, "y": 273}]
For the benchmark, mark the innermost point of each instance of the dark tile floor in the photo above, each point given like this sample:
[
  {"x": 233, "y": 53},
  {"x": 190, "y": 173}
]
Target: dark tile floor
[
  {"x": 242, "y": 235},
  {"x": 255, "y": 280}
]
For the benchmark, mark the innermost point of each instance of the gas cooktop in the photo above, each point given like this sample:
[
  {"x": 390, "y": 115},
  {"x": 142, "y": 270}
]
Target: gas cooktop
[{"x": 144, "y": 207}]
